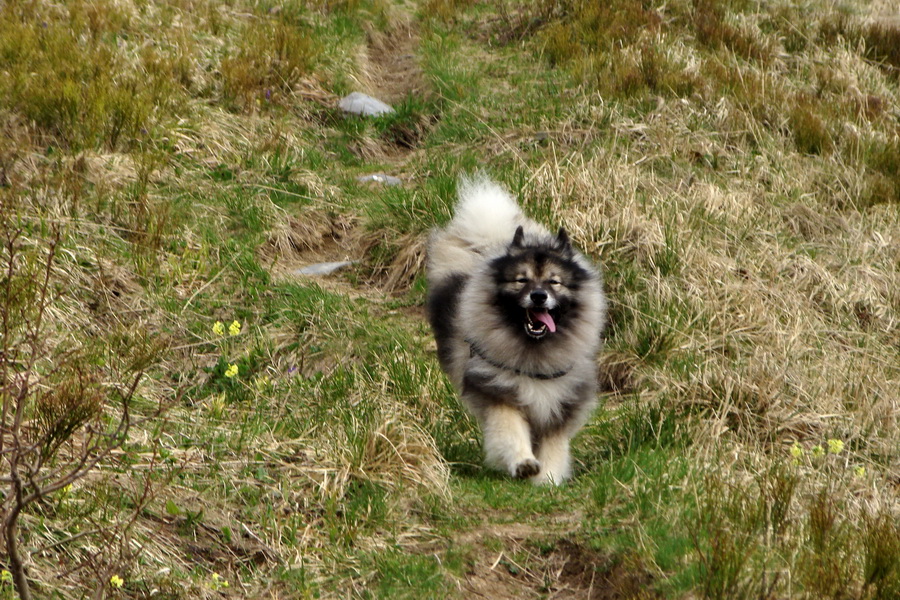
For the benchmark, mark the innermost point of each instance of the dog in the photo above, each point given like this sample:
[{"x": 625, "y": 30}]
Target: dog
[{"x": 518, "y": 315}]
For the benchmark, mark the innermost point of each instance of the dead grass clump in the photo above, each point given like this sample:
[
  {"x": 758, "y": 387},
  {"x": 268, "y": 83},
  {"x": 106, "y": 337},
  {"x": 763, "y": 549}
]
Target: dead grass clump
[
  {"x": 871, "y": 106},
  {"x": 760, "y": 96},
  {"x": 796, "y": 31},
  {"x": 879, "y": 38},
  {"x": 580, "y": 572},
  {"x": 314, "y": 235},
  {"x": 445, "y": 10},
  {"x": 825, "y": 563},
  {"x": 811, "y": 225},
  {"x": 115, "y": 293},
  {"x": 649, "y": 69},
  {"x": 883, "y": 158},
  {"x": 560, "y": 46},
  {"x": 809, "y": 130},
  {"x": 713, "y": 30},
  {"x": 398, "y": 453},
  {"x": 409, "y": 128},
  {"x": 597, "y": 27},
  {"x": 834, "y": 27},
  {"x": 881, "y": 547},
  {"x": 616, "y": 48},
  {"x": 882, "y": 44},
  {"x": 305, "y": 233},
  {"x": 395, "y": 260},
  {"x": 618, "y": 373}
]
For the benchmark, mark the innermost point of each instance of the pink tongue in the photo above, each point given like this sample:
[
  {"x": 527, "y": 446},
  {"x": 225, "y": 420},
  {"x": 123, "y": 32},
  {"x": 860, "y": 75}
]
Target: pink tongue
[{"x": 545, "y": 318}]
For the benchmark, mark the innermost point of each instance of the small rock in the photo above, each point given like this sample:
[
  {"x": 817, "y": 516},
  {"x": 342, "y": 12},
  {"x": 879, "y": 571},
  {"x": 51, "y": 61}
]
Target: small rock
[
  {"x": 379, "y": 178},
  {"x": 361, "y": 104},
  {"x": 324, "y": 268}
]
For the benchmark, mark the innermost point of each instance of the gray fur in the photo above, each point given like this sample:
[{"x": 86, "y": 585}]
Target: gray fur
[{"x": 517, "y": 314}]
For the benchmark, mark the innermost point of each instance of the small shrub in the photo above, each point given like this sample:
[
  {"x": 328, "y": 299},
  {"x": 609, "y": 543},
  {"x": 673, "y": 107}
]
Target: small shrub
[
  {"x": 824, "y": 568},
  {"x": 65, "y": 407},
  {"x": 881, "y": 554},
  {"x": 65, "y": 74},
  {"x": 560, "y": 45},
  {"x": 270, "y": 59},
  {"x": 724, "y": 539}
]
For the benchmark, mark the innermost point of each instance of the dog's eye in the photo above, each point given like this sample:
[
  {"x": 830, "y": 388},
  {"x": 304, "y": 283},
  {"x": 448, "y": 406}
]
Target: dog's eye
[
  {"x": 521, "y": 280},
  {"x": 555, "y": 282}
]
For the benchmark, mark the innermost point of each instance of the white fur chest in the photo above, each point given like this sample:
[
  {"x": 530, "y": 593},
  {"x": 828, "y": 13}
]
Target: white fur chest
[{"x": 542, "y": 399}]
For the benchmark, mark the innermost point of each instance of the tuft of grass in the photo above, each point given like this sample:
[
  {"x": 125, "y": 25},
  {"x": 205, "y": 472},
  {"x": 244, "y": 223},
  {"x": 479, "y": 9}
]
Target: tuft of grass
[
  {"x": 713, "y": 29},
  {"x": 270, "y": 59},
  {"x": 882, "y": 39},
  {"x": 810, "y": 133}
]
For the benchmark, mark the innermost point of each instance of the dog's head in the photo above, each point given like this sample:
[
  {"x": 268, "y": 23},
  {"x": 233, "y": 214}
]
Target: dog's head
[{"x": 537, "y": 283}]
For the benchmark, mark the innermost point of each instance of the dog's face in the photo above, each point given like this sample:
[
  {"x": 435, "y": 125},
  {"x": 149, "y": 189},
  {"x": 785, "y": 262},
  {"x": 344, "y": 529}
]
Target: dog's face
[{"x": 537, "y": 286}]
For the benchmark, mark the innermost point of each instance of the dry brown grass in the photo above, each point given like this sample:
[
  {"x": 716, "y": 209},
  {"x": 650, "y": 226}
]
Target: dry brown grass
[{"x": 732, "y": 166}]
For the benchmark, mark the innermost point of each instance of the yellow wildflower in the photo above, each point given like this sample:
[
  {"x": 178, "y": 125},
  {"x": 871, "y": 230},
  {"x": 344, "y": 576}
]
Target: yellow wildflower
[
  {"x": 860, "y": 471},
  {"x": 796, "y": 450},
  {"x": 218, "y": 582},
  {"x": 5, "y": 576},
  {"x": 231, "y": 371},
  {"x": 116, "y": 581},
  {"x": 835, "y": 446},
  {"x": 818, "y": 451},
  {"x": 219, "y": 328},
  {"x": 234, "y": 328}
]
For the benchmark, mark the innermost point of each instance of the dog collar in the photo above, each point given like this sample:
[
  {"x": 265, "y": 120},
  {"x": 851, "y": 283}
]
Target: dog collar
[{"x": 475, "y": 350}]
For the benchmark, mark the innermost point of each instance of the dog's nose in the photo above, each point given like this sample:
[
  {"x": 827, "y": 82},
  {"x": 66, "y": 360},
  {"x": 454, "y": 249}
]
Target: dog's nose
[{"x": 538, "y": 297}]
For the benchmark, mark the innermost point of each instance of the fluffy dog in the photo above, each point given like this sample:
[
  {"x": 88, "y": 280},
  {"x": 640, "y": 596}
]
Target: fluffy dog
[{"x": 517, "y": 313}]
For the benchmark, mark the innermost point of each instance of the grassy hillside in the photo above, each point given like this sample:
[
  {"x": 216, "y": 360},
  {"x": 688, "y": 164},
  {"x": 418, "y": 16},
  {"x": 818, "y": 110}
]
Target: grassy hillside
[{"x": 193, "y": 419}]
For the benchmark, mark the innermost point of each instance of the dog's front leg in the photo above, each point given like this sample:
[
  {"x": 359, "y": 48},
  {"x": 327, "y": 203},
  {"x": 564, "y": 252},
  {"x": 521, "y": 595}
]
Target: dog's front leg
[
  {"x": 507, "y": 441},
  {"x": 553, "y": 453},
  {"x": 507, "y": 436}
]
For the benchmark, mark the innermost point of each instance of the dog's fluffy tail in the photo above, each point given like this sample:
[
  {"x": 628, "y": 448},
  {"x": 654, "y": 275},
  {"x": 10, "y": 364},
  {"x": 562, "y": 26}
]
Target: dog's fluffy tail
[
  {"x": 486, "y": 214},
  {"x": 485, "y": 219}
]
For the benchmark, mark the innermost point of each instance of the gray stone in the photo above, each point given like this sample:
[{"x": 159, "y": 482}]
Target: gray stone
[
  {"x": 324, "y": 268},
  {"x": 379, "y": 178},
  {"x": 361, "y": 104}
]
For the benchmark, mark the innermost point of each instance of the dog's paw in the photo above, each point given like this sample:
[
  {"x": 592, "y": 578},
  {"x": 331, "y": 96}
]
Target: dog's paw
[
  {"x": 527, "y": 468},
  {"x": 547, "y": 478}
]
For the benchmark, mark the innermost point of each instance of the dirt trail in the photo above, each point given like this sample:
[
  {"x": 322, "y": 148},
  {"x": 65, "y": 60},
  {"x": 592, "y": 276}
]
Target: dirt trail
[
  {"x": 390, "y": 69},
  {"x": 536, "y": 562},
  {"x": 510, "y": 560}
]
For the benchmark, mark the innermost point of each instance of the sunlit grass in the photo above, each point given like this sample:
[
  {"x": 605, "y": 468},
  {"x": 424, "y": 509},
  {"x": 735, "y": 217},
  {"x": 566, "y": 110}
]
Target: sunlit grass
[{"x": 733, "y": 167}]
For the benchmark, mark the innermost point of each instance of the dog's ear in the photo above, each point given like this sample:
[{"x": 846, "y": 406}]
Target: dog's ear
[
  {"x": 562, "y": 239},
  {"x": 519, "y": 238}
]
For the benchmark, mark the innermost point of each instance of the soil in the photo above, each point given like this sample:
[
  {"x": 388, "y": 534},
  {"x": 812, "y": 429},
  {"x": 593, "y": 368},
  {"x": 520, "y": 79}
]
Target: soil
[{"x": 521, "y": 561}]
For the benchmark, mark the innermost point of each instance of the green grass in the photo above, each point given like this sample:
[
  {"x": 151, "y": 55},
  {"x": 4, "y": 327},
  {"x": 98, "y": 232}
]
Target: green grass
[{"x": 733, "y": 167}]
